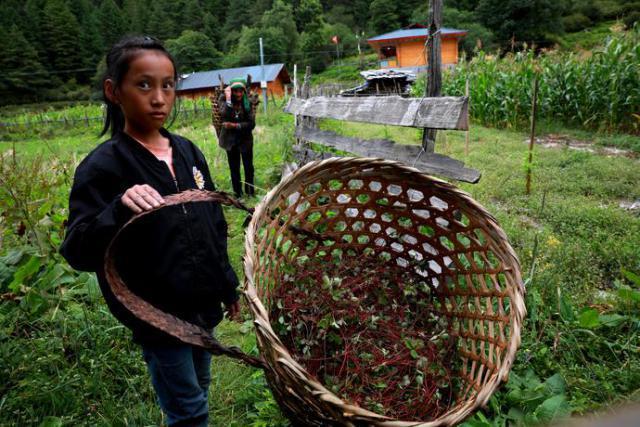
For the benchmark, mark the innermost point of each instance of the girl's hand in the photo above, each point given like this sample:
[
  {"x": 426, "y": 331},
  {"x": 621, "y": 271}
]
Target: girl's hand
[{"x": 141, "y": 198}]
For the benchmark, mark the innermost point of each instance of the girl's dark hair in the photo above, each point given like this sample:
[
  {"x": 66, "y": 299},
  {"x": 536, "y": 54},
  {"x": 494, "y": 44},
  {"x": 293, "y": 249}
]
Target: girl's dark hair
[{"x": 118, "y": 59}]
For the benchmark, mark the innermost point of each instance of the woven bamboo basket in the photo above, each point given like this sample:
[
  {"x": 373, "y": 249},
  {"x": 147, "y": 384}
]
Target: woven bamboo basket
[
  {"x": 362, "y": 206},
  {"x": 381, "y": 208}
]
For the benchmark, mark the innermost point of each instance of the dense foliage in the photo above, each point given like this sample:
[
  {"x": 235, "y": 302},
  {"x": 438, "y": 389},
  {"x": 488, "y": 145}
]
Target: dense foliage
[{"x": 62, "y": 41}]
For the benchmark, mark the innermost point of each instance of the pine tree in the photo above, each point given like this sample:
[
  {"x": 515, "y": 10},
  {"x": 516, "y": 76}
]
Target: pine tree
[
  {"x": 11, "y": 13},
  {"x": 238, "y": 15},
  {"x": 383, "y": 16},
  {"x": 61, "y": 36},
  {"x": 33, "y": 9},
  {"x": 246, "y": 51},
  {"x": 340, "y": 14},
  {"x": 211, "y": 28},
  {"x": 90, "y": 38},
  {"x": 314, "y": 49},
  {"x": 217, "y": 8},
  {"x": 134, "y": 12},
  {"x": 192, "y": 16},
  {"x": 261, "y": 6},
  {"x": 308, "y": 13},
  {"x": 279, "y": 27},
  {"x": 278, "y": 32},
  {"x": 23, "y": 76},
  {"x": 112, "y": 23},
  {"x": 194, "y": 51},
  {"x": 160, "y": 24},
  {"x": 93, "y": 44},
  {"x": 405, "y": 12},
  {"x": 361, "y": 14},
  {"x": 525, "y": 20}
]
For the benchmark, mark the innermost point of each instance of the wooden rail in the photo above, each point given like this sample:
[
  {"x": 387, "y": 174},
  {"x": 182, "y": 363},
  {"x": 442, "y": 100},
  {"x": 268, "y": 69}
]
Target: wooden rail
[{"x": 436, "y": 113}]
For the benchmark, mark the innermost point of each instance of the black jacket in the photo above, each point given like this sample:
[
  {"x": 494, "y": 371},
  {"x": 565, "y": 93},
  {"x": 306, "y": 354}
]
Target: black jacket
[
  {"x": 241, "y": 138},
  {"x": 175, "y": 258}
]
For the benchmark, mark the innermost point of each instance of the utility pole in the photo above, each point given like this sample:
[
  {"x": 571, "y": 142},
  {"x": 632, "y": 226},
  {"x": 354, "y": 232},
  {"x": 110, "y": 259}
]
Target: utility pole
[
  {"x": 359, "y": 50},
  {"x": 263, "y": 82},
  {"x": 434, "y": 83},
  {"x": 295, "y": 80}
]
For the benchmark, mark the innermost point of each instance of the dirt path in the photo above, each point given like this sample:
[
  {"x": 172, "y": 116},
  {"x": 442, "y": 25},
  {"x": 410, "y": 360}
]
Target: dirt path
[{"x": 561, "y": 141}]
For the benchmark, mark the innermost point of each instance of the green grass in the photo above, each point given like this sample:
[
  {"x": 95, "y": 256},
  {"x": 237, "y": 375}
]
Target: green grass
[
  {"x": 588, "y": 38},
  {"x": 346, "y": 70},
  {"x": 62, "y": 355}
]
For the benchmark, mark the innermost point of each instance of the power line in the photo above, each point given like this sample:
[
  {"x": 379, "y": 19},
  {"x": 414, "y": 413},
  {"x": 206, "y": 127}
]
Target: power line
[
  {"x": 47, "y": 72},
  {"x": 78, "y": 70}
]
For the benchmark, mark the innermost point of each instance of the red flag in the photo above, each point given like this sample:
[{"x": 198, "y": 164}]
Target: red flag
[{"x": 335, "y": 39}]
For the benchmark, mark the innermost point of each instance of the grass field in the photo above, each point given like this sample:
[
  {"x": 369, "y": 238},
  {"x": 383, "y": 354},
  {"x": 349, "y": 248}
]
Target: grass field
[{"x": 65, "y": 361}]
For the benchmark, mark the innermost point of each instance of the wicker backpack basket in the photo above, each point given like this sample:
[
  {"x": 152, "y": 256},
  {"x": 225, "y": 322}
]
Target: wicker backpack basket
[
  {"x": 371, "y": 206},
  {"x": 368, "y": 205}
]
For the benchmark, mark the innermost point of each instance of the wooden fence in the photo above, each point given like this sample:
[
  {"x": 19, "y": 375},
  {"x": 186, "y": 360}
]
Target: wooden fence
[{"x": 199, "y": 109}]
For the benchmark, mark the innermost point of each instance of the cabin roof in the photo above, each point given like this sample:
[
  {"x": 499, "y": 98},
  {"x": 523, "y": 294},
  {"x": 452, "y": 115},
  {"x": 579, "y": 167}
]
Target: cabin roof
[
  {"x": 412, "y": 33},
  {"x": 208, "y": 79}
]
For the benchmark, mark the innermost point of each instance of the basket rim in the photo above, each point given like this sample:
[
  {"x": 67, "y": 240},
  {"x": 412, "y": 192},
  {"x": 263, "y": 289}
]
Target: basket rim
[{"x": 263, "y": 325}]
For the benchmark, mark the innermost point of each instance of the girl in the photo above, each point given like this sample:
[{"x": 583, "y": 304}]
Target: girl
[
  {"x": 175, "y": 258},
  {"x": 236, "y": 135}
]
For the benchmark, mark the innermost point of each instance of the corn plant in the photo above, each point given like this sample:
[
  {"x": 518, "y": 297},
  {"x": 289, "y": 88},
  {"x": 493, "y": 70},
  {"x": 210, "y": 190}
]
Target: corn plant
[{"x": 599, "y": 92}]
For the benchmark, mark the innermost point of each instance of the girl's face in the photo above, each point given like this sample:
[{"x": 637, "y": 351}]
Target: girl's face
[{"x": 147, "y": 92}]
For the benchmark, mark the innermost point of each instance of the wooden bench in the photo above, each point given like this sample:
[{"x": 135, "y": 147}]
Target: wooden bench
[{"x": 450, "y": 113}]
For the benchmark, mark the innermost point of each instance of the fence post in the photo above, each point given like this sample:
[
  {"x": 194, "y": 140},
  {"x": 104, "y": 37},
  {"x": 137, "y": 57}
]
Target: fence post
[
  {"x": 433, "y": 86},
  {"x": 303, "y": 121},
  {"x": 466, "y": 133},
  {"x": 534, "y": 103}
]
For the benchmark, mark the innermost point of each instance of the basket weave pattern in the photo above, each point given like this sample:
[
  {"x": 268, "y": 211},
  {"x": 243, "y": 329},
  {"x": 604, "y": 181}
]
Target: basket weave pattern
[{"x": 350, "y": 207}]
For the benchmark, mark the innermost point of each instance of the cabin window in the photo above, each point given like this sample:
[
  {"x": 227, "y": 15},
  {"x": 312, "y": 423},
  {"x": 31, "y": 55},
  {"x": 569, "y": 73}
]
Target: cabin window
[
  {"x": 388, "y": 52},
  {"x": 388, "y": 57}
]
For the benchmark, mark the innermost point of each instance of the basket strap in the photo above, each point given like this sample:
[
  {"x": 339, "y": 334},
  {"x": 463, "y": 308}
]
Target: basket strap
[{"x": 184, "y": 331}]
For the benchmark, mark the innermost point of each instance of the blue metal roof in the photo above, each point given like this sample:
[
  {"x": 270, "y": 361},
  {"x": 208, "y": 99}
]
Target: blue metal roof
[
  {"x": 413, "y": 32},
  {"x": 207, "y": 79}
]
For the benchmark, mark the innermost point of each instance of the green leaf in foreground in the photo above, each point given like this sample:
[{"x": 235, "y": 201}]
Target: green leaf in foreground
[
  {"x": 24, "y": 272},
  {"x": 51, "y": 422},
  {"x": 553, "y": 409},
  {"x": 589, "y": 318}
]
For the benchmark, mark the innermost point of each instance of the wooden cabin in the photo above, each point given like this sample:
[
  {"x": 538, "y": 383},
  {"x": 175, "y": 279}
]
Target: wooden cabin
[
  {"x": 405, "y": 48},
  {"x": 203, "y": 83}
]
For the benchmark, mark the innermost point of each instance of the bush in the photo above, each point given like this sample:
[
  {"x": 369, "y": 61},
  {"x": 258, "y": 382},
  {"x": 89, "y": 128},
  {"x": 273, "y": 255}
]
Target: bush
[
  {"x": 631, "y": 7},
  {"x": 610, "y": 9},
  {"x": 576, "y": 22},
  {"x": 631, "y": 19}
]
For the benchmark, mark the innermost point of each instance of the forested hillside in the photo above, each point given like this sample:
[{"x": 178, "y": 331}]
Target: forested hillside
[{"x": 51, "y": 49}]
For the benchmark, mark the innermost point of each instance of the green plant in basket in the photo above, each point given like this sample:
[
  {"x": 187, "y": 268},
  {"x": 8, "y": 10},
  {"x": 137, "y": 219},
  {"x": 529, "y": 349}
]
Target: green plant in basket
[{"x": 367, "y": 332}]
